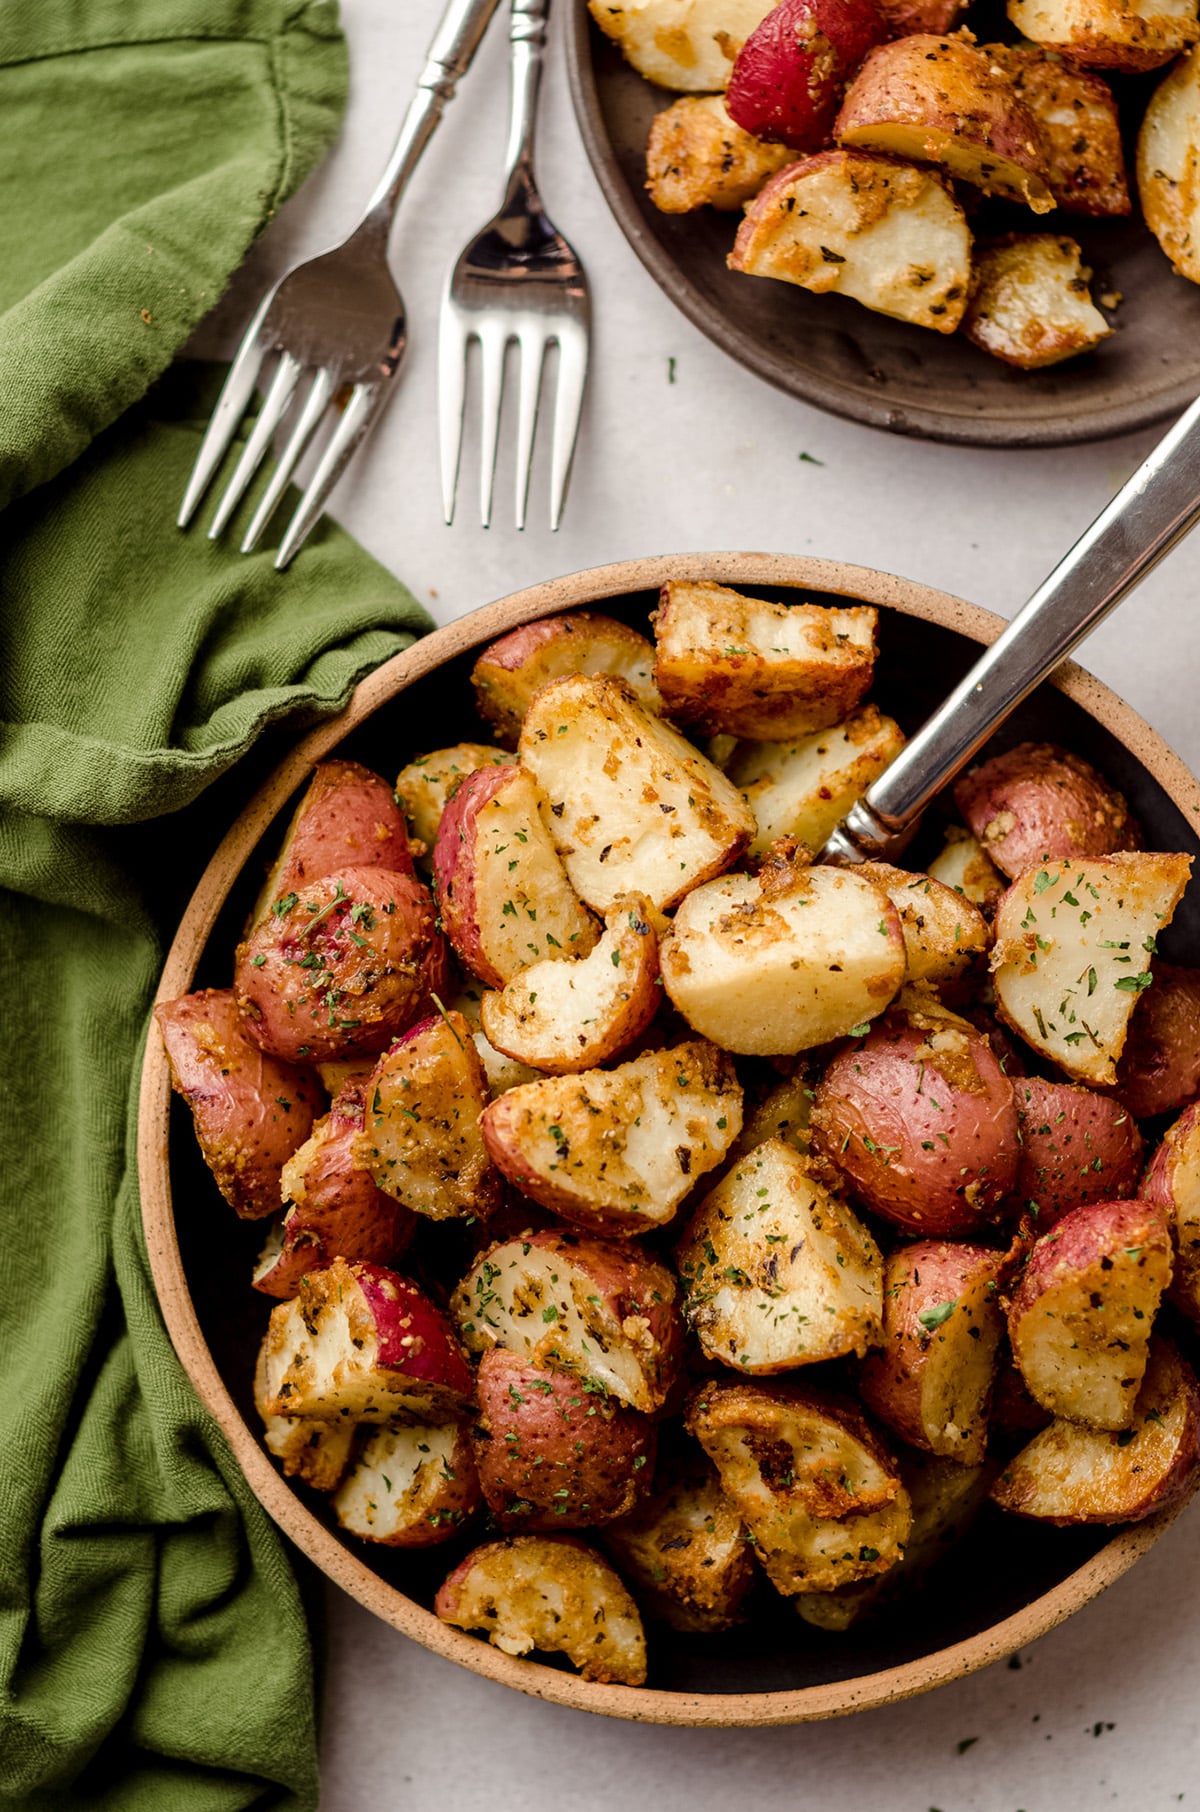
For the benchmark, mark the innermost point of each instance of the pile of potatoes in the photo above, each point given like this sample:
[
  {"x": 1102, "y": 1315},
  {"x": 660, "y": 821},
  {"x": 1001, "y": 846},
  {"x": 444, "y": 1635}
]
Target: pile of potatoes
[
  {"x": 861, "y": 137},
  {"x": 757, "y": 1219}
]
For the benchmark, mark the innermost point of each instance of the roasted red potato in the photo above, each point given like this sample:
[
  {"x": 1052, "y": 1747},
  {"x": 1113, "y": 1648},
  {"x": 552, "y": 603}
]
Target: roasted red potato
[
  {"x": 685, "y": 1548},
  {"x": 965, "y": 866},
  {"x": 536, "y": 1591},
  {"x": 1166, "y": 162},
  {"x": 1129, "y": 36},
  {"x": 502, "y": 1072},
  {"x": 744, "y": 667},
  {"x": 804, "y": 788},
  {"x": 1159, "y": 1067},
  {"x": 1072, "y": 955},
  {"x": 1069, "y": 1474},
  {"x": 941, "y": 101},
  {"x": 410, "y": 1487},
  {"x": 689, "y": 45},
  {"x": 425, "y": 787},
  {"x": 348, "y": 818},
  {"x": 778, "y": 1273},
  {"x": 505, "y": 898},
  {"x": 942, "y": 1325},
  {"x": 251, "y": 1110},
  {"x": 782, "y": 1113},
  {"x": 1076, "y": 1147},
  {"x": 1172, "y": 1183},
  {"x": 600, "y": 1309},
  {"x": 333, "y": 1209},
  {"x": 420, "y": 1137},
  {"x": 1038, "y": 803},
  {"x": 1014, "y": 1415},
  {"x": 1081, "y": 1316},
  {"x": 633, "y": 806},
  {"x": 945, "y": 936},
  {"x": 550, "y": 1453},
  {"x": 361, "y": 1343},
  {"x": 616, "y": 1151},
  {"x": 562, "y": 1017},
  {"x": 314, "y": 1451},
  {"x": 696, "y": 157},
  {"x": 813, "y": 1482},
  {"x": 1076, "y": 115},
  {"x": 920, "y": 1119},
  {"x": 510, "y": 671},
  {"x": 784, "y": 960},
  {"x": 791, "y": 72},
  {"x": 1030, "y": 302},
  {"x": 907, "y": 16},
  {"x": 342, "y": 968}
]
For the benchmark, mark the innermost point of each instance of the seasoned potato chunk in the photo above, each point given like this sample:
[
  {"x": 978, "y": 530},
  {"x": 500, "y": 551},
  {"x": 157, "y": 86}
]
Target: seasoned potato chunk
[
  {"x": 1172, "y": 1183},
  {"x": 1126, "y": 35},
  {"x": 885, "y": 233},
  {"x": 725, "y": 662},
  {"x": 685, "y": 1548},
  {"x": 1037, "y": 801},
  {"x": 511, "y": 670},
  {"x": 313, "y": 1450},
  {"x": 696, "y": 157},
  {"x": 965, "y": 865},
  {"x": 410, "y": 1487},
  {"x": 804, "y": 788},
  {"x": 778, "y": 1272},
  {"x": 1081, "y": 133},
  {"x": 1030, "y": 303},
  {"x": 1168, "y": 166},
  {"x": 425, "y": 787},
  {"x": 690, "y": 45},
  {"x": 944, "y": 935}
]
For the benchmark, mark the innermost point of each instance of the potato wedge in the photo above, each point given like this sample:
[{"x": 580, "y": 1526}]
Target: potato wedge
[
  {"x": 1159, "y": 1067},
  {"x": 633, "y": 807},
  {"x": 814, "y": 1484},
  {"x": 1076, "y": 114},
  {"x": 1081, "y": 1316},
  {"x": 316, "y": 1452},
  {"x": 502, "y": 1072},
  {"x": 1168, "y": 166},
  {"x": 942, "y": 1326},
  {"x": 562, "y": 1017},
  {"x": 410, "y": 1487},
  {"x": 1172, "y": 1183},
  {"x": 1072, "y": 954},
  {"x": 778, "y": 962},
  {"x": 745, "y": 667},
  {"x": 600, "y": 1309},
  {"x": 1130, "y": 36},
  {"x": 778, "y": 1273},
  {"x": 941, "y": 101},
  {"x": 1069, "y": 1474},
  {"x": 792, "y": 70},
  {"x": 425, "y": 787},
  {"x": 685, "y": 1549},
  {"x": 616, "y": 1151},
  {"x": 1039, "y": 803},
  {"x": 420, "y": 1138},
  {"x": 965, "y": 865},
  {"x": 782, "y": 1113},
  {"x": 1030, "y": 302},
  {"x": 690, "y": 45},
  {"x": 804, "y": 788},
  {"x": 944, "y": 935},
  {"x": 543, "y": 1592},
  {"x": 887, "y": 234},
  {"x": 511, "y": 670},
  {"x": 1076, "y": 1147},
  {"x": 696, "y": 158},
  {"x": 348, "y": 818}
]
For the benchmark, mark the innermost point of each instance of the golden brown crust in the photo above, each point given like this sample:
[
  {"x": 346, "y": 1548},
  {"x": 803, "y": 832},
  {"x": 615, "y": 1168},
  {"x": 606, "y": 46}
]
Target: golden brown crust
[
  {"x": 1076, "y": 114},
  {"x": 697, "y": 157},
  {"x": 1030, "y": 302}
]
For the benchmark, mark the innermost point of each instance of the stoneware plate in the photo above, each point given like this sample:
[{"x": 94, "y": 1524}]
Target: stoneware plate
[
  {"x": 1009, "y": 1582},
  {"x": 842, "y": 357}
]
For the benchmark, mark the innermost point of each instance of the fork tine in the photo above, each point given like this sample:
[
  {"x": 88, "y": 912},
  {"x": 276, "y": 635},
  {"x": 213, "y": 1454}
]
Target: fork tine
[
  {"x": 572, "y": 339},
  {"x": 283, "y": 384},
  {"x": 493, "y": 339},
  {"x": 315, "y": 404},
  {"x": 452, "y": 397},
  {"x": 533, "y": 353},
  {"x": 366, "y": 400},
  {"x": 236, "y": 392}
]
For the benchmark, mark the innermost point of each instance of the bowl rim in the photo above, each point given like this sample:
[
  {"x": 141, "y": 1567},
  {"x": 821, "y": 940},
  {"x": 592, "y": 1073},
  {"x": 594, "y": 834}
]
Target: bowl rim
[
  {"x": 1061, "y": 429},
  {"x": 283, "y": 1503}
]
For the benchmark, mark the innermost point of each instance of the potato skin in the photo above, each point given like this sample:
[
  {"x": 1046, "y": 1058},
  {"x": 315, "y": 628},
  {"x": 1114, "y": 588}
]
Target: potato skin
[
  {"x": 1081, "y": 133},
  {"x": 426, "y": 785},
  {"x": 348, "y": 818},
  {"x": 790, "y": 73},
  {"x": 1105, "y": 34},
  {"x": 922, "y": 1122},
  {"x": 251, "y": 1110},
  {"x": 1076, "y": 1147},
  {"x": 1172, "y": 1183},
  {"x": 1038, "y": 802},
  {"x": 510, "y": 670},
  {"x": 551, "y": 1454},
  {"x": 1159, "y": 1068}
]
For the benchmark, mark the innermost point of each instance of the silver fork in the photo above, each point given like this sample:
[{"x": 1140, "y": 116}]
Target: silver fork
[
  {"x": 519, "y": 280},
  {"x": 339, "y": 316}
]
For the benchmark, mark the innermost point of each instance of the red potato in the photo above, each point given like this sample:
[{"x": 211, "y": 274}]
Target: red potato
[
  {"x": 1069, "y": 1474},
  {"x": 907, "y": 16},
  {"x": 790, "y": 73},
  {"x": 251, "y": 1111},
  {"x": 600, "y": 1309},
  {"x": 1172, "y": 1183},
  {"x": 945, "y": 936},
  {"x": 317, "y": 1452},
  {"x": 1030, "y": 304},
  {"x": 965, "y": 865},
  {"x": 502, "y": 1072},
  {"x": 425, "y": 787},
  {"x": 1081, "y": 1316},
  {"x": 410, "y": 1487},
  {"x": 1159, "y": 1067},
  {"x": 942, "y": 1326},
  {"x": 340, "y": 1071},
  {"x": 696, "y": 157},
  {"x": 1081, "y": 132},
  {"x": 685, "y": 1549},
  {"x": 562, "y": 1017},
  {"x": 536, "y": 1591},
  {"x": 920, "y": 1119},
  {"x": 551, "y": 1454},
  {"x": 348, "y": 818},
  {"x": 420, "y": 1137},
  {"x": 813, "y": 1482},
  {"x": 1040, "y": 803},
  {"x": 617, "y": 1151},
  {"x": 505, "y": 898},
  {"x": 510, "y": 671},
  {"x": 1130, "y": 36},
  {"x": 1076, "y": 1147},
  {"x": 335, "y": 1210},
  {"x": 361, "y": 1343},
  {"x": 341, "y": 969},
  {"x": 688, "y": 45},
  {"x": 1166, "y": 166},
  {"x": 1014, "y": 1415},
  {"x": 805, "y": 788}
]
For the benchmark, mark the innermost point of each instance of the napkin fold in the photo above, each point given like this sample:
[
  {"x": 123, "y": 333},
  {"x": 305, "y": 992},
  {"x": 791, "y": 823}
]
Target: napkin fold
[{"x": 153, "y": 1649}]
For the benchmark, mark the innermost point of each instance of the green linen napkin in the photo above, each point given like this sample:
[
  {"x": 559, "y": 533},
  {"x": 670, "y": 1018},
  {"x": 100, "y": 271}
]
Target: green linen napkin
[{"x": 153, "y": 1650}]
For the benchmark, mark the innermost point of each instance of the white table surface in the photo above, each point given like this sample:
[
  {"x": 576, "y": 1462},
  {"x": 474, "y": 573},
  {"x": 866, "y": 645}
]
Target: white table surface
[{"x": 1103, "y": 1711}]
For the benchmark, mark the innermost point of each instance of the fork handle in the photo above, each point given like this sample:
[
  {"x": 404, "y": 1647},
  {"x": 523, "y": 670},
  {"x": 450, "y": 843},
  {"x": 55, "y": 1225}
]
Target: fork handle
[
  {"x": 455, "y": 42},
  {"x": 527, "y": 41}
]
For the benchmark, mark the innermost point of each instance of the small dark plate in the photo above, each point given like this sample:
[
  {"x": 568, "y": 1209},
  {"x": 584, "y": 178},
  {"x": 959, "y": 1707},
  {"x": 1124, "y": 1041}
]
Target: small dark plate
[{"x": 830, "y": 351}]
